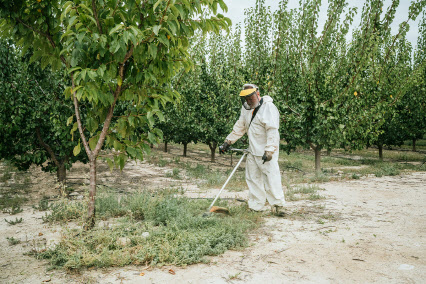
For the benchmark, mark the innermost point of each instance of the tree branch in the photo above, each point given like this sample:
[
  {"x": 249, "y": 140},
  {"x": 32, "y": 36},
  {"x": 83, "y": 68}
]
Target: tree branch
[
  {"x": 95, "y": 14},
  {"x": 47, "y": 147},
  {"x": 109, "y": 116},
  {"x": 47, "y": 35},
  {"x": 31, "y": 28},
  {"x": 79, "y": 124}
]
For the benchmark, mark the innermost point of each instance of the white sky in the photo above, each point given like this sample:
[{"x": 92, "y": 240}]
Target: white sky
[{"x": 236, "y": 13}]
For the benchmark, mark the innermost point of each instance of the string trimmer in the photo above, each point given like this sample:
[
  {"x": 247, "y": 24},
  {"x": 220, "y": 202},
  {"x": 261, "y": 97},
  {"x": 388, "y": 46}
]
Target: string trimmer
[{"x": 216, "y": 209}]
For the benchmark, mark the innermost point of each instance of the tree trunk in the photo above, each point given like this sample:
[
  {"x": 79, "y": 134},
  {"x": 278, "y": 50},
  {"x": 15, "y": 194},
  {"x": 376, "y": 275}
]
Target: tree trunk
[
  {"x": 185, "y": 147},
  {"x": 61, "y": 174},
  {"x": 317, "y": 150},
  {"x": 91, "y": 210},
  {"x": 414, "y": 144},
  {"x": 317, "y": 159},
  {"x": 212, "y": 146},
  {"x": 165, "y": 146},
  {"x": 328, "y": 152},
  {"x": 380, "y": 146}
]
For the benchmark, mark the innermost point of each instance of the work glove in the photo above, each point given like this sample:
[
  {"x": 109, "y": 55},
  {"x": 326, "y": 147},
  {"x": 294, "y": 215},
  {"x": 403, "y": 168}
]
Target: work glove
[
  {"x": 224, "y": 147},
  {"x": 267, "y": 156}
]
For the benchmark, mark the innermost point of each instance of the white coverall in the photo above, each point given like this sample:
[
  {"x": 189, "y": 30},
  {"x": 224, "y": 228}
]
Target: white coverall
[{"x": 263, "y": 180}]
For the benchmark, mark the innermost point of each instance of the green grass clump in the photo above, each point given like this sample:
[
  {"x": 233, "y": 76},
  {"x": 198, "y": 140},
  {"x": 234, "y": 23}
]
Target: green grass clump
[
  {"x": 385, "y": 169},
  {"x": 12, "y": 222},
  {"x": 304, "y": 192},
  {"x": 13, "y": 241},
  {"x": 43, "y": 204},
  {"x": 162, "y": 162},
  {"x": 65, "y": 210},
  {"x": 156, "y": 229},
  {"x": 216, "y": 177},
  {"x": 174, "y": 174}
]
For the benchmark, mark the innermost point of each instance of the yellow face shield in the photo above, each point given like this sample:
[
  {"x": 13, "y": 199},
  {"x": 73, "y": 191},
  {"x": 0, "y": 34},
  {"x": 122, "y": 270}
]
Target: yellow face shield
[
  {"x": 248, "y": 92},
  {"x": 249, "y": 98}
]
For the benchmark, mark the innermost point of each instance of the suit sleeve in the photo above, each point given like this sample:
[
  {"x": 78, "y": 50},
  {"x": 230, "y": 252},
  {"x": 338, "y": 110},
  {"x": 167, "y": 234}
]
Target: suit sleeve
[
  {"x": 238, "y": 130},
  {"x": 271, "y": 121}
]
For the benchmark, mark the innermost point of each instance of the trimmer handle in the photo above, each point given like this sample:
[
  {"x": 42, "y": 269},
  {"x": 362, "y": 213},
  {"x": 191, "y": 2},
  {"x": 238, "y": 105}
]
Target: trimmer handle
[{"x": 240, "y": 150}]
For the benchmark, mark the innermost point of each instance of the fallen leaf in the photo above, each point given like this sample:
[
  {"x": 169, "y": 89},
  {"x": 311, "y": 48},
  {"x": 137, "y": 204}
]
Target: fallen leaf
[
  {"x": 171, "y": 271},
  {"x": 142, "y": 274}
]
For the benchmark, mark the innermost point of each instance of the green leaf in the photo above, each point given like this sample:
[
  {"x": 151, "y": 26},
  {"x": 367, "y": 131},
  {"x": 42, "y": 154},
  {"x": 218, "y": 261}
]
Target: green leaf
[
  {"x": 163, "y": 39},
  {"x": 173, "y": 27},
  {"x": 153, "y": 50},
  {"x": 116, "y": 28},
  {"x": 223, "y": 6},
  {"x": 152, "y": 138},
  {"x": 92, "y": 124},
  {"x": 77, "y": 149},
  {"x": 110, "y": 164},
  {"x": 86, "y": 8},
  {"x": 156, "y": 5},
  {"x": 93, "y": 141},
  {"x": 69, "y": 120},
  {"x": 156, "y": 28},
  {"x": 73, "y": 69},
  {"x": 131, "y": 151},
  {"x": 160, "y": 115},
  {"x": 74, "y": 127},
  {"x": 123, "y": 159}
]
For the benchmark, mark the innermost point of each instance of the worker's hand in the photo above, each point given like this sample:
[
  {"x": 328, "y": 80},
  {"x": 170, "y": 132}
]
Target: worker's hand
[
  {"x": 224, "y": 147},
  {"x": 267, "y": 156}
]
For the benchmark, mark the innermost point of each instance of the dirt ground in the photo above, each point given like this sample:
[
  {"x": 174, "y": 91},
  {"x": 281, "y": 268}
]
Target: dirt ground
[{"x": 370, "y": 230}]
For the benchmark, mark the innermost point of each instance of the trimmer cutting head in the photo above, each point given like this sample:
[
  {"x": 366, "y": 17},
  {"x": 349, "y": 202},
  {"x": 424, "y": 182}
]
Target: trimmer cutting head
[{"x": 216, "y": 209}]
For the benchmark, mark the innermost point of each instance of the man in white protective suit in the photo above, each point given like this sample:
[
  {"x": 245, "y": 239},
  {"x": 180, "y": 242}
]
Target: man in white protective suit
[{"x": 259, "y": 118}]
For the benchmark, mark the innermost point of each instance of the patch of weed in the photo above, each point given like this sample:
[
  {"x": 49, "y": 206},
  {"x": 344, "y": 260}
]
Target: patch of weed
[
  {"x": 15, "y": 209},
  {"x": 234, "y": 276},
  {"x": 65, "y": 210},
  {"x": 199, "y": 171},
  {"x": 215, "y": 179},
  {"x": 319, "y": 177},
  {"x": 309, "y": 192},
  {"x": 176, "y": 173},
  {"x": 386, "y": 169},
  {"x": 340, "y": 161},
  {"x": 11, "y": 222},
  {"x": 176, "y": 160},
  {"x": 7, "y": 175},
  {"x": 43, "y": 204},
  {"x": 315, "y": 196},
  {"x": 173, "y": 231},
  {"x": 162, "y": 162},
  {"x": 12, "y": 241}
]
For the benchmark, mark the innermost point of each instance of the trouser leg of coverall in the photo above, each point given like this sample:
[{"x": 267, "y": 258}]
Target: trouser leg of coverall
[{"x": 264, "y": 182}]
